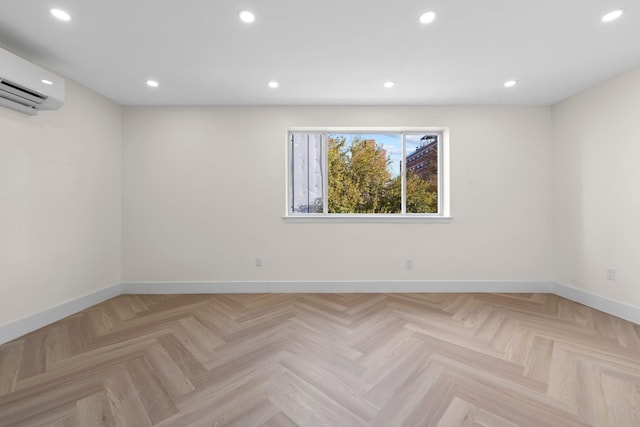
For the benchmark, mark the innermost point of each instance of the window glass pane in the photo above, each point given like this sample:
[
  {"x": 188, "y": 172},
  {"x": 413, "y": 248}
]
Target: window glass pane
[
  {"x": 306, "y": 173},
  {"x": 422, "y": 173},
  {"x": 364, "y": 173}
]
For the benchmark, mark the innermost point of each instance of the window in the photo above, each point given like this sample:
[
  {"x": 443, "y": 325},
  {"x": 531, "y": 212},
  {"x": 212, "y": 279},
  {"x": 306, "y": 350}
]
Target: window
[{"x": 345, "y": 173}]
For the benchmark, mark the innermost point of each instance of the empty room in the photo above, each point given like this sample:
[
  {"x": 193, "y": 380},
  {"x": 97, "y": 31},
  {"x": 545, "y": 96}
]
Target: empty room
[{"x": 331, "y": 213}]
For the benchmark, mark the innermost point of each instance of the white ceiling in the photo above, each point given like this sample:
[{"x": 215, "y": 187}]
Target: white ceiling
[{"x": 325, "y": 52}]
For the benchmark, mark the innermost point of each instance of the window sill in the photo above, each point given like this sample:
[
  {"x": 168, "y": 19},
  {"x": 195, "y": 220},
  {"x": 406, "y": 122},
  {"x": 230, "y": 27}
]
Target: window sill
[{"x": 338, "y": 218}]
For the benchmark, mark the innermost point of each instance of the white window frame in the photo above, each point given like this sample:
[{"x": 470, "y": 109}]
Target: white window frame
[{"x": 444, "y": 212}]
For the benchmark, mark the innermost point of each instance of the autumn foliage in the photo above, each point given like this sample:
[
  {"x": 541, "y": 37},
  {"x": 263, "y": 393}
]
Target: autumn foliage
[{"x": 360, "y": 181}]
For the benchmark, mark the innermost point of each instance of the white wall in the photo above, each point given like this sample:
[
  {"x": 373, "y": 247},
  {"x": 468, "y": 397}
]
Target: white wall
[
  {"x": 596, "y": 180},
  {"x": 60, "y": 203},
  {"x": 204, "y": 193},
  {"x": 196, "y": 193}
]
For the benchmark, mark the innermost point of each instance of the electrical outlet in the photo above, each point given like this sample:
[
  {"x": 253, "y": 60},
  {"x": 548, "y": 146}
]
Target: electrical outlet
[
  {"x": 611, "y": 274},
  {"x": 258, "y": 261},
  {"x": 409, "y": 264}
]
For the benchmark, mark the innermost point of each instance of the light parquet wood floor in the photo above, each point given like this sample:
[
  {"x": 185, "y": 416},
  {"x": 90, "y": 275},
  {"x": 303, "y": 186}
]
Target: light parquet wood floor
[{"x": 326, "y": 359}]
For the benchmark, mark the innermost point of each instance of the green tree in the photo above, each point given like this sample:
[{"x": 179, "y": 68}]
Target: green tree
[
  {"x": 360, "y": 181},
  {"x": 342, "y": 194},
  {"x": 422, "y": 196}
]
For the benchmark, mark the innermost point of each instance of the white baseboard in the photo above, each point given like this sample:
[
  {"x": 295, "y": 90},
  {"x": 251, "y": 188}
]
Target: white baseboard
[
  {"x": 615, "y": 308},
  {"x": 337, "y": 287},
  {"x": 31, "y": 323},
  {"x": 36, "y": 321}
]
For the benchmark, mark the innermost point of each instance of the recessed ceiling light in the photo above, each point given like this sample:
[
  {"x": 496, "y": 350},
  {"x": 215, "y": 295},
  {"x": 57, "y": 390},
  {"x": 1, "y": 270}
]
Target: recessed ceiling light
[
  {"x": 611, "y": 16},
  {"x": 273, "y": 85},
  {"x": 61, "y": 14},
  {"x": 510, "y": 83},
  {"x": 47, "y": 82},
  {"x": 427, "y": 17},
  {"x": 152, "y": 83},
  {"x": 246, "y": 16},
  {"x": 389, "y": 84}
]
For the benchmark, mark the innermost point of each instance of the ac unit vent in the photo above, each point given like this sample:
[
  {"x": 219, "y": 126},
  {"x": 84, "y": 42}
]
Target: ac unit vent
[{"x": 23, "y": 87}]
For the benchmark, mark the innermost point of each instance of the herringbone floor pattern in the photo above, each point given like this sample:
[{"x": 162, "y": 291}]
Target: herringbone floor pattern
[{"x": 326, "y": 359}]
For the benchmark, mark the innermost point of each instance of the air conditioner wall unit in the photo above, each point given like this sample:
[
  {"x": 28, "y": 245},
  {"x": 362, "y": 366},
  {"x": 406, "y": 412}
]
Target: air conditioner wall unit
[{"x": 26, "y": 87}]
